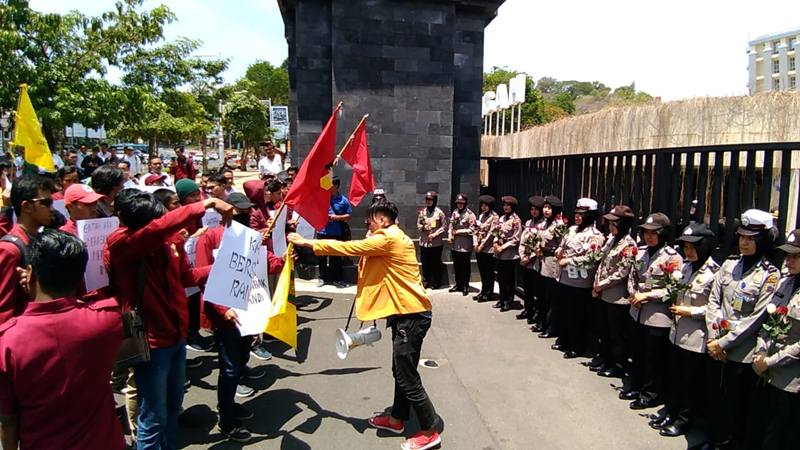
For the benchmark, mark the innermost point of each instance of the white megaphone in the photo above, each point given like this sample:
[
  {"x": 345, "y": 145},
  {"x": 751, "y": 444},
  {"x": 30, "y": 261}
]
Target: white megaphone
[{"x": 345, "y": 341}]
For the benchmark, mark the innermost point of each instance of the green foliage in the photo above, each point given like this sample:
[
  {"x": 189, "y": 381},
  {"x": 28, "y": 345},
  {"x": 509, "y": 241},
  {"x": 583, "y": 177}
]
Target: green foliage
[
  {"x": 266, "y": 81},
  {"x": 246, "y": 118}
]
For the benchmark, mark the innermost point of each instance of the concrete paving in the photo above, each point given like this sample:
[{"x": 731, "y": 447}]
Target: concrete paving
[{"x": 497, "y": 387}]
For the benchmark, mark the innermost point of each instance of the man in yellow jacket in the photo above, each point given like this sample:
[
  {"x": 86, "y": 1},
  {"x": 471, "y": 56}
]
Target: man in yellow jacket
[{"x": 390, "y": 287}]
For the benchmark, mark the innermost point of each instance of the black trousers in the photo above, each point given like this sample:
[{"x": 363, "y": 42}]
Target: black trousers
[
  {"x": 550, "y": 293},
  {"x": 530, "y": 282},
  {"x": 408, "y": 332},
  {"x": 616, "y": 335},
  {"x": 650, "y": 361},
  {"x": 431, "y": 265},
  {"x": 776, "y": 428},
  {"x": 732, "y": 388},
  {"x": 506, "y": 275},
  {"x": 558, "y": 310},
  {"x": 486, "y": 269},
  {"x": 194, "y": 315},
  {"x": 687, "y": 394},
  {"x": 330, "y": 267},
  {"x": 578, "y": 314},
  {"x": 461, "y": 268}
]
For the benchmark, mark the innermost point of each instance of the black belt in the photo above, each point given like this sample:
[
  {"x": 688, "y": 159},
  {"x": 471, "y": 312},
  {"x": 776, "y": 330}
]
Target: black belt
[{"x": 548, "y": 252}]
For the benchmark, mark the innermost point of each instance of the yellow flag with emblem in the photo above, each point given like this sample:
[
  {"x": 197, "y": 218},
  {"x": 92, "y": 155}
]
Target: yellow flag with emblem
[
  {"x": 283, "y": 316},
  {"x": 28, "y": 133}
]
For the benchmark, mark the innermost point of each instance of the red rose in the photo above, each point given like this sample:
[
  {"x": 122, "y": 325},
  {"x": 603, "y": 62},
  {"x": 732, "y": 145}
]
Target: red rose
[
  {"x": 724, "y": 324},
  {"x": 782, "y": 310},
  {"x": 593, "y": 247},
  {"x": 714, "y": 326},
  {"x": 634, "y": 251}
]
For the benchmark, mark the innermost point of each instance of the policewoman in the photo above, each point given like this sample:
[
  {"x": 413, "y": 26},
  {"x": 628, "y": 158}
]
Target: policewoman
[
  {"x": 778, "y": 360},
  {"x": 529, "y": 243},
  {"x": 688, "y": 332},
  {"x": 461, "y": 238},
  {"x": 484, "y": 253},
  {"x": 432, "y": 227},
  {"x": 551, "y": 238},
  {"x": 611, "y": 286},
  {"x": 578, "y": 256},
  {"x": 506, "y": 234},
  {"x": 650, "y": 312},
  {"x": 739, "y": 296}
]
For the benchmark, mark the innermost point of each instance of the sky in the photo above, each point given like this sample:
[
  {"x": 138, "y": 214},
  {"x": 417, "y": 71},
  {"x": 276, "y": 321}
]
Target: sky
[{"x": 677, "y": 49}]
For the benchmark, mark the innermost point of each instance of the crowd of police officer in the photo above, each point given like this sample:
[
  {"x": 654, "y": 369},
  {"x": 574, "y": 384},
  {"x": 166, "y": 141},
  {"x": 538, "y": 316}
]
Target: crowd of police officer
[{"x": 682, "y": 326}]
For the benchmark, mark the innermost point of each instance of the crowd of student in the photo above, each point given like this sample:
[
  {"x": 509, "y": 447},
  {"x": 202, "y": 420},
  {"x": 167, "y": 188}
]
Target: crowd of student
[
  {"x": 58, "y": 342},
  {"x": 714, "y": 339}
]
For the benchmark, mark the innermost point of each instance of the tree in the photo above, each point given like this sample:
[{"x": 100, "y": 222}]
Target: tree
[
  {"x": 63, "y": 58},
  {"x": 265, "y": 81},
  {"x": 531, "y": 108},
  {"x": 246, "y": 118}
]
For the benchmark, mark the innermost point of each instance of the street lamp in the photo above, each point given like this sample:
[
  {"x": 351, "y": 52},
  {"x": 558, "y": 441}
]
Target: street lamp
[{"x": 5, "y": 119}]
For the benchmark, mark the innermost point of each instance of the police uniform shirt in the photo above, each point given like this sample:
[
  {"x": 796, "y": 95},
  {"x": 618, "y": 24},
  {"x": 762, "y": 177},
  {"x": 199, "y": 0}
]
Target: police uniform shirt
[
  {"x": 612, "y": 273},
  {"x": 740, "y": 298},
  {"x": 483, "y": 238},
  {"x": 435, "y": 221},
  {"x": 575, "y": 247},
  {"x": 550, "y": 242},
  {"x": 783, "y": 357},
  {"x": 506, "y": 234},
  {"x": 463, "y": 226},
  {"x": 647, "y": 278},
  {"x": 689, "y": 333},
  {"x": 530, "y": 233}
]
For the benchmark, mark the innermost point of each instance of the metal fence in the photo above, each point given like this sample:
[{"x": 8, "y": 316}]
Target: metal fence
[{"x": 709, "y": 184}]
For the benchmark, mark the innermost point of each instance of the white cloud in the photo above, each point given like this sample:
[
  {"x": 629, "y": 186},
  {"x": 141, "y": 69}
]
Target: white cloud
[{"x": 677, "y": 49}]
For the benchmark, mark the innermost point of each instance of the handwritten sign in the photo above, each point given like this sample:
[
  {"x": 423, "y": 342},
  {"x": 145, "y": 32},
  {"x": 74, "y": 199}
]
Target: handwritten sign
[
  {"x": 212, "y": 219},
  {"x": 254, "y": 320},
  {"x": 279, "y": 235},
  {"x": 93, "y": 233},
  {"x": 239, "y": 267},
  {"x": 190, "y": 246}
]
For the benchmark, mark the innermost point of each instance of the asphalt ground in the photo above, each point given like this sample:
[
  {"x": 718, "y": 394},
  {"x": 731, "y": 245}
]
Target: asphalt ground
[{"x": 497, "y": 386}]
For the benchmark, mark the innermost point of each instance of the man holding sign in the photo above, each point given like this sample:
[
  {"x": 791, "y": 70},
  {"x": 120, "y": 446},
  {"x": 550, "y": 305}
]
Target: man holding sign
[{"x": 390, "y": 287}]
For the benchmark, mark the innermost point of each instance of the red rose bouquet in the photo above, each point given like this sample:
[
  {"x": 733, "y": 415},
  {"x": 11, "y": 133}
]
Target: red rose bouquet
[
  {"x": 594, "y": 254},
  {"x": 562, "y": 225},
  {"x": 628, "y": 255},
  {"x": 672, "y": 278}
]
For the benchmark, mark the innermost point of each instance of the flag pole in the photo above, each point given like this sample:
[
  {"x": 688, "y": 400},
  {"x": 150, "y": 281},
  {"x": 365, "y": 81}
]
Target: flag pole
[{"x": 350, "y": 139}]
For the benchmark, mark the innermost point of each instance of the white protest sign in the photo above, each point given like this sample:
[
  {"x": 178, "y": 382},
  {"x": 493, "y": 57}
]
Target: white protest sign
[
  {"x": 254, "y": 320},
  {"x": 212, "y": 219},
  {"x": 305, "y": 229},
  {"x": 190, "y": 246},
  {"x": 279, "y": 235},
  {"x": 93, "y": 233},
  {"x": 240, "y": 265},
  {"x": 59, "y": 206}
]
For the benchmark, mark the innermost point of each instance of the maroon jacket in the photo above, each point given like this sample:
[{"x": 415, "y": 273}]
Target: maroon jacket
[{"x": 183, "y": 168}]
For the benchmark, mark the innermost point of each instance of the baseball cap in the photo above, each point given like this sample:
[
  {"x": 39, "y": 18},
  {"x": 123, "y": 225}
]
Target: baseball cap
[
  {"x": 695, "y": 232},
  {"x": 80, "y": 193},
  {"x": 239, "y": 201},
  {"x": 153, "y": 179},
  {"x": 755, "y": 221},
  {"x": 656, "y": 221},
  {"x": 792, "y": 245},
  {"x": 185, "y": 187},
  {"x": 620, "y": 212}
]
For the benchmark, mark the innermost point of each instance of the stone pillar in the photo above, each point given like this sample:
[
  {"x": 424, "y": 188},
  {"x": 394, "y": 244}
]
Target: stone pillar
[{"x": 416, "y": 67}]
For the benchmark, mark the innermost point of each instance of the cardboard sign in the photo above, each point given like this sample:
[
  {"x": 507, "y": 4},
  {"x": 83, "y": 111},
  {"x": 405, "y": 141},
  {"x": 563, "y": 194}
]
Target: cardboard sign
[
  {"x": 93, "y": 233},
  {"x": 305, "y": 229},
  {"x": 239, "y": 267},
  {"x": 191, "y": 253},
  {"x": 254, "y": 319},
  {"x": 212, "y": 219}
]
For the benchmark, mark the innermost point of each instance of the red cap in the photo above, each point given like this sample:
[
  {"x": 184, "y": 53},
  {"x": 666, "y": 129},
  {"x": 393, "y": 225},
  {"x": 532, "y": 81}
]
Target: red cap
[
  {"x": 80, "y": 193},
  {"x": 153, "y": 179}
]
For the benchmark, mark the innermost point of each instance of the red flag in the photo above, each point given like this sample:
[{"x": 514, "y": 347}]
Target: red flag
[
  {"x": 357, "y": 156},
  {"x": 310, "y": 193}
]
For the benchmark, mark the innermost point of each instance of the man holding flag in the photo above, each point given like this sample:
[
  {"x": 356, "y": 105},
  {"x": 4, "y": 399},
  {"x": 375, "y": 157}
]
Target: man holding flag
[{"x": 390, "y": 287}]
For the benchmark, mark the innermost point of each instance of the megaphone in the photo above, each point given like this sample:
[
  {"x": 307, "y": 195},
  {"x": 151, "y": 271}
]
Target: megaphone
[{"x": 345, "y": 341}]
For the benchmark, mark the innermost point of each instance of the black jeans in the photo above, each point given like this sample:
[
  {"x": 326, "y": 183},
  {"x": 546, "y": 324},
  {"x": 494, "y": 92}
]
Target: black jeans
[
  {"x": 650, "y": 361},
  {"x": 777, "y": 429},
  {"x": 486, "y": 268},
  {"x": 234, "y": 352},
  {"x": 531, "y": 281},
  {"x": 431, "y": 265},
  {"x": 506, "y": 271},
  {"x": 330, "y": 267},
  {"x": 616, "y": 335},
  {"x": 732, "y": 387},
  {"x": 578, "y": 317},
  {"x": 408, "y": 332},
  {"x": 461, "y": 268},
  {"x": 687, "y": 395},
  {"x": 194, "y": 317}
]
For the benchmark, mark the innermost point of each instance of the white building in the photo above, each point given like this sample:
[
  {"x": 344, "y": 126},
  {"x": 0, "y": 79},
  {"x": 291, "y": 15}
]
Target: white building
[{"x": 773, "y": 62}]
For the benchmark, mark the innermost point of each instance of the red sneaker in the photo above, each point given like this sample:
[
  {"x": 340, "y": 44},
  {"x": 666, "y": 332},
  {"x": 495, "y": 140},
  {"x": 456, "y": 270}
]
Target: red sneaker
[
  {"x": 382, "y": 423},
  {"x": 421, "y": 442}
]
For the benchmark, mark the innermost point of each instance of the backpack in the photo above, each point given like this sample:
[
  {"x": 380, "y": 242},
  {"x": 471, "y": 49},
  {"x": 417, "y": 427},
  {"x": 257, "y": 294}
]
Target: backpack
[{"x": 23, "y": 249}]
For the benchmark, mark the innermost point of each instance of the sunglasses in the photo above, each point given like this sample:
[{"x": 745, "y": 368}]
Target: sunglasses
[{"x": 44, "y": 201}]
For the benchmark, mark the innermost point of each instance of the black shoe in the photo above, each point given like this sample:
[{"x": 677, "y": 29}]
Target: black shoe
[
  {"x": 628, "y": 395},
  {"x": 238, "y": 434},
  {"x": 557, "y": 347},
  {"x": 478, "y": 297},
  {"x": 521, "y": 316},
  {"x": 592, "y": 368},
  {"x": 498, "y": 305},
  {"x": 660, "y": 422},
  {"x": 505, "y": 307},
  {"x": 640, "y": 404},
  {"x": 465, "y": 292},
  {"x": 677, "y": 428},
  {"x": 613, "y": 372},
  {"x": 569, "y": 354},
  {"x": 546, "y": 335},
  {"x": 535, "y": 327},
  {"x": 596, "y": 363},
  {"x": 454, "y": 289}
]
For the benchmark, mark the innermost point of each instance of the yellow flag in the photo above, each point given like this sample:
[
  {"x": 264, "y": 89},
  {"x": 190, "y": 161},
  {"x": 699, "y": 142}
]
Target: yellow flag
[
  {"x": 28, "y": 133},
  {"x": 283, "y": 317}
]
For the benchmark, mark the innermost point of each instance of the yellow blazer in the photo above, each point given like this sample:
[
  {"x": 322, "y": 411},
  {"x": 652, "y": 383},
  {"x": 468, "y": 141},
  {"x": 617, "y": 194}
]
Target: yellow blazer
[{"x": 389, "y": 282}]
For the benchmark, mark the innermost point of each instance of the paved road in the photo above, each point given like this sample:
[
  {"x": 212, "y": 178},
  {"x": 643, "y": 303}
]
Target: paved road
[{"x": 497, "y": 387}]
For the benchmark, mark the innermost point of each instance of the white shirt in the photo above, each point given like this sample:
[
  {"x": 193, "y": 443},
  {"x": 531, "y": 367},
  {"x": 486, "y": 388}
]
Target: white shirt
[
  {"x": 134, "y": 164},
  {"x": 273, "y": 166},
  {"x": 104, "y": 156},
  {"x": 57, "y": 161},
  {"x": 81, "y": 155}
]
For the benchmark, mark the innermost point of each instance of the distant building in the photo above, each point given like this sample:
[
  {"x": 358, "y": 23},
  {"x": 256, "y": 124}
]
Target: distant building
[{"x": 773, "y": 62}]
